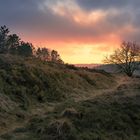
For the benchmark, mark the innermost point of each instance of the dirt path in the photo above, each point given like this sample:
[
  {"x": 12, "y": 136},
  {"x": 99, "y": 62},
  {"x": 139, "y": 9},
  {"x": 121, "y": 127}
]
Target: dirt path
[{"x": 123, "y": 84}]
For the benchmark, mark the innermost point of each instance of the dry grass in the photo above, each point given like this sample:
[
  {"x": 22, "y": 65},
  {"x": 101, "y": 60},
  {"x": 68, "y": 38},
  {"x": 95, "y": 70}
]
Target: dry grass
[{"x": 40, "y": 100}]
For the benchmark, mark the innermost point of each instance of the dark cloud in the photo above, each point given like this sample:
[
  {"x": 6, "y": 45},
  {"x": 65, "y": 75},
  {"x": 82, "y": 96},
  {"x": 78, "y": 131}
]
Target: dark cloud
[
  {"x": 105, "y": 4},
  {"x": 14, "y": 11},
  {"x": 26, "y": 17}
]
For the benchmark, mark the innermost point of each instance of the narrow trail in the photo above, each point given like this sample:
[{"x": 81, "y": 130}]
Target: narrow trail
[{"x": 123, "y": 84}]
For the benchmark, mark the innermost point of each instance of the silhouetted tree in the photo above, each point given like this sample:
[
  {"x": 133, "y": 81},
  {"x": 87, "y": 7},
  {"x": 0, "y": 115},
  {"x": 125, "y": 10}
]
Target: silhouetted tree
[
  {"x": 127, "y": 57},
  {"x": 55, "y": 57},
  {"x": 43, "y": 54},
  {"x": 47, "y": 55},
  {"x": 3, "y": 39},
  {"x": 25, "y": 49},
  {"x": 13, "y": 43}
]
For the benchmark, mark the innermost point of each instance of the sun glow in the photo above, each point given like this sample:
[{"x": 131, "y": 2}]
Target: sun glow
[{"x": 75, "y": 53}]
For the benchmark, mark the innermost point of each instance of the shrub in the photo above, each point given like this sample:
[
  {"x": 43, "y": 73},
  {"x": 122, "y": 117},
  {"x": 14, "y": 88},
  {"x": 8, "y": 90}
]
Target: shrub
[
  {"x": 71, "y": 113},
  {"x": 61, "y": 130}
]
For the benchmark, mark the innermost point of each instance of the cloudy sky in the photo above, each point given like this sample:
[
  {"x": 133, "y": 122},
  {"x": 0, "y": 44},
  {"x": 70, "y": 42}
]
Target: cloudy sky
[{"x": 83, "y": 31}]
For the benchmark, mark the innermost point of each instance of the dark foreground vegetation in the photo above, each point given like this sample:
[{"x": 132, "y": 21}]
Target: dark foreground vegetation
[
  {"x": 41, "y": 98},
  {"x": 46, "y": 100}
]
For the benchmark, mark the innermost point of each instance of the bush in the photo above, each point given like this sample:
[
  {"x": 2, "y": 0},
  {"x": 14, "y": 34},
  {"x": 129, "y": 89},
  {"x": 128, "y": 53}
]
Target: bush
[
  {"x": 71, "y": 113},
  {"x": 54, "y": 129},
  {"x": 61, "y": 130}
]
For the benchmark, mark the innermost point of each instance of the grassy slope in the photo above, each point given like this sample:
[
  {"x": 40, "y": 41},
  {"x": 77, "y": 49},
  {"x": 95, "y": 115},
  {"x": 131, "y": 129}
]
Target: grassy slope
[{"x": 42, "y": 101}]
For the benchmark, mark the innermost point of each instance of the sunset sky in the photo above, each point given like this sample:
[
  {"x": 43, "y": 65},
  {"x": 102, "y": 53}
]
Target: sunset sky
[{"x": 82, "y": 31}]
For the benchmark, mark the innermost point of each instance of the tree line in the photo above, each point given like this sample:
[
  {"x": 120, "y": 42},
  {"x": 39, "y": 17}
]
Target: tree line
[{"x": 12, "y": 44}]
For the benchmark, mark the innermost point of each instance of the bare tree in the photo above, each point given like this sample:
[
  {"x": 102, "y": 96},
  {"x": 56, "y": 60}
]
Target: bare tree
[{"x": 127, "y": 57}]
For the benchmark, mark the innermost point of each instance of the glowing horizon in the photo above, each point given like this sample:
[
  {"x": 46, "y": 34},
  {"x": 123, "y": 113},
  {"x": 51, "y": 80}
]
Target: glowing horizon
[{"x": 73, "y": 54}]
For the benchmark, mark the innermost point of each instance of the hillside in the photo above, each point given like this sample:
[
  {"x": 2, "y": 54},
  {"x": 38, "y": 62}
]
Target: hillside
[
  {"x": 45, "y": 100},
  {"x": 87, "y": 65},
  {"x": 110, "y": 68}
]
